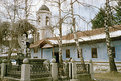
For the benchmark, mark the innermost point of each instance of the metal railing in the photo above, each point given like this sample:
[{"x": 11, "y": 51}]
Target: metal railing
[
  {"x": 39, "y": 71},
  {"x": 80, "y": 69},
  {"x": 13, "y": 71}
]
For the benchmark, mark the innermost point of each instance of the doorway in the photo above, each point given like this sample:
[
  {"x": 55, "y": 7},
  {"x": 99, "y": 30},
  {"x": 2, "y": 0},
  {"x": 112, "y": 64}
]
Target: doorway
[{"x": 56, "y": 54}]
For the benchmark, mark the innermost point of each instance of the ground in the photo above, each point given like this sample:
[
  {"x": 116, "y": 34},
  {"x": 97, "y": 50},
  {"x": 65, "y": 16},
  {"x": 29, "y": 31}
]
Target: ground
[
  {"x": 102, "y": 77},
  {"x": 108, "y": 77}
]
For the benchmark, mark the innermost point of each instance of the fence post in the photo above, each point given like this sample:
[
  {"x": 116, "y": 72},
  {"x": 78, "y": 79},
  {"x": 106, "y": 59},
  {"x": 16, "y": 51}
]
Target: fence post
[
  {"x": 3, "y": 68},
  {"x": 25, "y": 70},
  {"x": 54, "y": 70},
  {"x": 91, "y": 69},
  {"x": 70, "y": 70},
  {"x": 66, "y": 68},
  {"x": 47, "y": 65},
  {"x": 74, "y": 71}
]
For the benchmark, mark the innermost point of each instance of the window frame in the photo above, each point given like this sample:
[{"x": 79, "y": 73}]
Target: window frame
[
  {"x": 94, "y": 53},
  {"x": 67, "y": 53},
  {"x": 39, "y": 19},
  {"x": 47, "y": 20},
  {"x": 36, "y": 50}
]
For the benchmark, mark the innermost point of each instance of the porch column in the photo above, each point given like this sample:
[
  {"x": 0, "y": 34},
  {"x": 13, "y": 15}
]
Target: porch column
[
  {"x": 91, "y": 69},
  {"x": 53, "y": 51},
  {"x": 41, "y": 52}
]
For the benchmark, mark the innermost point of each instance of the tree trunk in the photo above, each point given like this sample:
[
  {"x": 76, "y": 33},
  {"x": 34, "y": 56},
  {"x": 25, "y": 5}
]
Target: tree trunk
[
  {"x": 60, "y": 35},
  {"x": 12, "y": 43},
  {"x": 76, "y": 38},
  {"x": 60, "y": 41},
  {"x": 26, "y": 9},
  {"x": 108, "y": 42}
]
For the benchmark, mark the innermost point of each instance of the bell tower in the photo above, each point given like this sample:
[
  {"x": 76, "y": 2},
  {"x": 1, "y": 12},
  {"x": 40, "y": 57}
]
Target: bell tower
[{"x": 44, "y": 22}]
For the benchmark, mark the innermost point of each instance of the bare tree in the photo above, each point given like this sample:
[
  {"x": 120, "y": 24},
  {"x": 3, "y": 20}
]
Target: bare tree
[
  {"x": 108, "y": 41},
  {"x": 59, "y": 24},
  {"x": 67, "y": 15},
  {"x": 4, "y": 30},
  {"x": 60, "y": 20},
  {"x": 75, "y": 36},
  {"x": 13, "y": 15}
]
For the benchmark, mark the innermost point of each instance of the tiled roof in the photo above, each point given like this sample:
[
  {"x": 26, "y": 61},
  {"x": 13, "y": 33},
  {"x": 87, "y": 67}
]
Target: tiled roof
[
  {"x": 91, "y": 32},
  {"x": 37, "y": 43},
  {"x": 98, "y": 33},
  {"x": 40, "y": 43}
]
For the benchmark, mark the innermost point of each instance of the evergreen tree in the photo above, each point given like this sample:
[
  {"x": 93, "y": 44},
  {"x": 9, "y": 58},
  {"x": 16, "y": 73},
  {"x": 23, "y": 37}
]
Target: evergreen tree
[
  {"x": 117, "y": 15},
  {"x": 98, "y": 21}
]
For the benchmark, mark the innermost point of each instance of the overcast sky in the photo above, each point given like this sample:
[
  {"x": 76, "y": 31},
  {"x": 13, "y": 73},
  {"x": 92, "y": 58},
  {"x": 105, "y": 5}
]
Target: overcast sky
[{"x": 87, "y": 13}]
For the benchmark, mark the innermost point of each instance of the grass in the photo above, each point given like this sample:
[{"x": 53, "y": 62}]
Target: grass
[
  {"x": 99, "y": 77},
  {"x": 4, "y": 80},
  {"x": 114, "y": 76}
]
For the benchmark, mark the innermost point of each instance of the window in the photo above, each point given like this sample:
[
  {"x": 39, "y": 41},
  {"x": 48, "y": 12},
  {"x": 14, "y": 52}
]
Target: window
[
  {"x": 47, "y": 20},
  {"x": 113, "y": 51},
  {"x": 39, "y": 19},
  {"x": 35, "y": 50},
  {"x": 78, "y": 53},
  {"x": 94, "y": 52},
  {"x": 67, "y": 53},
  {"x": 36, "y": 57}
]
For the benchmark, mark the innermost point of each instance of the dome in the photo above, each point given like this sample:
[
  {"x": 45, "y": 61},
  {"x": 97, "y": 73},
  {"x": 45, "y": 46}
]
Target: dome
[{"x": 44, "y": 7}]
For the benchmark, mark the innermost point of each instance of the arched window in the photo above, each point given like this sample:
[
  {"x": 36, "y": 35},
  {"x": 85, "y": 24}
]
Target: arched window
[
  {"x": 39, "y": 19},
  {"x": 47, "y": 20}
]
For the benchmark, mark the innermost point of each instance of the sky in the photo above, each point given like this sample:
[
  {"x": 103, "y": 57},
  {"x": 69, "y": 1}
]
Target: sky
[{"x": 85, "y": 12}]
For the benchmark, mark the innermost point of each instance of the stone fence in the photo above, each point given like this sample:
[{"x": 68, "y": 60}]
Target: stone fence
[
  {"x": 32, "y": 70},
  {"x": 77, "y": 73}
]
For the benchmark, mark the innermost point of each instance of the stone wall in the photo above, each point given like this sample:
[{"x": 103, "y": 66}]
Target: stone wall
[{"x": 103, "y": 67}]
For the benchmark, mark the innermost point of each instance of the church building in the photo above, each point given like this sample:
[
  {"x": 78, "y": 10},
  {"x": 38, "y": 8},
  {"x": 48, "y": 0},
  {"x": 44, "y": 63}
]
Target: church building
[{"x": 92, "y": 43}]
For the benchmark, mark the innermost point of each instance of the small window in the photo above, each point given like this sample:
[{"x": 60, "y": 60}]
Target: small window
[
  {"x": 67, "y": 53},
  {"x": 35, "y": 50},
  {"x": 78, "y": 53},
  {"x": 35, "y": 57},
  {"x": 39, "y": 19},
  {"x": 113, "y": 51},
  {"x": 94, "y": 52},
  {"x": 47, "y": 20}
]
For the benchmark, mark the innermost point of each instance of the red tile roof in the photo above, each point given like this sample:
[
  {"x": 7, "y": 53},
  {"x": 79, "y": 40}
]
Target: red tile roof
[
  {"x": 40, "y": 43},
  {"x": 80, "y": 34}
]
